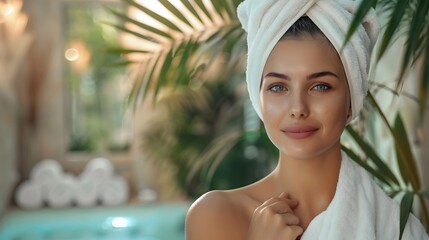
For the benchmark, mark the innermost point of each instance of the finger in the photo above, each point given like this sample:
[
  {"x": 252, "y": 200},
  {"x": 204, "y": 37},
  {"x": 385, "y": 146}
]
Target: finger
[
  {"x": 271, "y": 201},
  {"x": 282, "y": 206},
  {"x": 286, "y": 195},
  {"x": 291, "y": 202},
  {"x": 294, "y": 232},
  {"x": 290, "y": 219},
  {"x": 278, "y": 204}
]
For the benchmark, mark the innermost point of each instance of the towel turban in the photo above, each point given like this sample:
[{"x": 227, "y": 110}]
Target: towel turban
[{"x": 266, "y": 21}]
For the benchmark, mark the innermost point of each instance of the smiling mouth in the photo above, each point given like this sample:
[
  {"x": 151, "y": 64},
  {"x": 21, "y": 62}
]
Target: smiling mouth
[{"x": 299, "y": 132}]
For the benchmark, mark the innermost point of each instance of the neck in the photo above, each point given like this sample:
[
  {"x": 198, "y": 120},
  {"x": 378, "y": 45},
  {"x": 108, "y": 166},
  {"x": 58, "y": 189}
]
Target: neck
[{"x": 311, "y": 181}]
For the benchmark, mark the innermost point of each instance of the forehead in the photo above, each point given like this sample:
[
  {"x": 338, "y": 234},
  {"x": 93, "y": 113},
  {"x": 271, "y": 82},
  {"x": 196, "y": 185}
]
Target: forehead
[{"x": 308, "y": 51}]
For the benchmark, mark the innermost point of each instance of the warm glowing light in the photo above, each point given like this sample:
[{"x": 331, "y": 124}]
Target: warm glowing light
[
  {"x": 7, "y": 10},
  {"x": 72, "y": 54},
  {"x": 120, "y": 222}
]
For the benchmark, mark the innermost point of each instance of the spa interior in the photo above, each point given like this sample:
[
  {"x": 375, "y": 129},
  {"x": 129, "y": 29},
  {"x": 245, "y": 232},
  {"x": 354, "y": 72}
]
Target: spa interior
[{"x": 115, "y": 115}]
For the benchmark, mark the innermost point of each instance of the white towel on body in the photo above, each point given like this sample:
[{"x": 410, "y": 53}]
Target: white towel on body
[
  {"x": 267, "y": 21},
  {"x": 361, "y": 210}
]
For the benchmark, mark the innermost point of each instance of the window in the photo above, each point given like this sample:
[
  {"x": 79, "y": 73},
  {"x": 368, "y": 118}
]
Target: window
[{"x": 96, "y": 115}]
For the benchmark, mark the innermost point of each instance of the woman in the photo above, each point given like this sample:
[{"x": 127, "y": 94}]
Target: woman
[{"x": 306, "y": 88}]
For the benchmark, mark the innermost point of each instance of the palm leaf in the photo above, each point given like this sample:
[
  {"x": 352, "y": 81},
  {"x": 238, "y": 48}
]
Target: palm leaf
[
  {"x": 360, "y": 14},
  {"x": 189, "y": 6},
  {"x": 423, "y": 94},
  {"x": 409, "y": 96},
  {"x": 401, "y": 149},
  {"x": 221, "y": 154},
  {"x": 186, "y": 50},
  {"x": 425, "y": 193},
  {"x": 405, "y": 209},
  {"x": 406, "y": 159},
  {"x": 204, "y": 9},
  {"x": 395, "y": 19},
  {"x": 393, "y": 193},
  {"x": 416, "y": 28},
  {"x": 149, "y": 75},
  {"x": 163, "y": 77},
  {"x": 406, "y": 17},
  {"x": 230, "y": 8},
  {"x": 175, "y": 12},
  {"x": 137, "y": 34},
  {"x": 140, "y": 24},
  {"x": 155, "y": 16},
  {"x": 377, "y": 174},
  {"x": 130, "y": 98},
  {"x": 124, "y": 51},
  {"x": 383, "y": 169}
]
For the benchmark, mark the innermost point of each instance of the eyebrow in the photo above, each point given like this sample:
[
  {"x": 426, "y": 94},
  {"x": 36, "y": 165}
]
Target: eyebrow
[{"x": 309, "y": 77}]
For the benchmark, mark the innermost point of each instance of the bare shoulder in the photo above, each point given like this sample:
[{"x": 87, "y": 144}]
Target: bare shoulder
[{"x": 217, "y": 215}]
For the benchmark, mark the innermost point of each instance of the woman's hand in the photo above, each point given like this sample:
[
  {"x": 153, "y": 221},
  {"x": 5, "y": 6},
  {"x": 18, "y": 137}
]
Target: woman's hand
[{"x": 275, "y": 219}]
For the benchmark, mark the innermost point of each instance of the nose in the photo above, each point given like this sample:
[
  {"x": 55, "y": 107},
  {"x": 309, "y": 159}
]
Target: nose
[{"x": 298, "y": 106}]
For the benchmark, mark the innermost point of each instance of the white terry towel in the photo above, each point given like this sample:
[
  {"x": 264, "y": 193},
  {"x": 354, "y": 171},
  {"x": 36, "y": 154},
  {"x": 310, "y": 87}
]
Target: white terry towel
[
  {"x": 28, "y": 195},
  {"x": 62, "y": 193},
  {"x": 266, "y": 21},
  {"x": 113, "y": 191},
  {"x": 361, "y": 210}
]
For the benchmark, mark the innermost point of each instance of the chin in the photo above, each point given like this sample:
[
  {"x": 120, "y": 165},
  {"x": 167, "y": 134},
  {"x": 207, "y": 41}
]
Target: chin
[{"x": 307, "y": 151}]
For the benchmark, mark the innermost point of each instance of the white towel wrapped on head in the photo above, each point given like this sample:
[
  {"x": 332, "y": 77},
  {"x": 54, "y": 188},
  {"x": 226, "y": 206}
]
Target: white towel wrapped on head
[{"x": 266, "y": 21}]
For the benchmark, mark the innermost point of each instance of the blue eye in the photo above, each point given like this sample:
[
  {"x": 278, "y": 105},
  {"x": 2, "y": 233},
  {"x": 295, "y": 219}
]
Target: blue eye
[
  {"x": 277, "y": 88},
  {"x": 321, "y": 87}
]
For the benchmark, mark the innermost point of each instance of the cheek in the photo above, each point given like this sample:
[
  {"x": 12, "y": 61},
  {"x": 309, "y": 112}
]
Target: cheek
[
  {"x": 273, "y": 109},
  {"x": 334, "y": 111}
]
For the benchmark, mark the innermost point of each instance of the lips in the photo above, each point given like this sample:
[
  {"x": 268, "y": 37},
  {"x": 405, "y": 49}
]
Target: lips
[{"x": 299, "y": 131}]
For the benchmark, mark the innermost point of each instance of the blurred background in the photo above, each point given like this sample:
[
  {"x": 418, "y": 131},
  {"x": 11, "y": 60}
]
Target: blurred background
[{"x": 116, "y": 115}]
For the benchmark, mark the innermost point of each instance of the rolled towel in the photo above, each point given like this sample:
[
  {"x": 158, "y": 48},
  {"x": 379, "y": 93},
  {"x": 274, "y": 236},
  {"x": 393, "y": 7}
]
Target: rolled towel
[
  {"x": 85, "y": 193},
  {"x": 45, "y": 169},
  {"x": 267, "y": 21},
  {"x": 114, "y": 191},
  {"x": 98, "y": 169},
  {"x": 28, "y": 196},
  {"x": 45, "y": 174},
  {"x": 62, "y": 193}
]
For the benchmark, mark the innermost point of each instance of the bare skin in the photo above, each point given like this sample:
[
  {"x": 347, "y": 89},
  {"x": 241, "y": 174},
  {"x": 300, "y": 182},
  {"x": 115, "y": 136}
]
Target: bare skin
[{"x": 304, "y": 87}]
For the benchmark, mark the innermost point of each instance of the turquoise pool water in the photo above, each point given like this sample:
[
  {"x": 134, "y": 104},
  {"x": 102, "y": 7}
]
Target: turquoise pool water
[{"x": 143, "y": 222}]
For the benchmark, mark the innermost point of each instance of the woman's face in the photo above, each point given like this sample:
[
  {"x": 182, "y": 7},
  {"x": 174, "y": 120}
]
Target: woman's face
[{"x": 304, "y": 97}]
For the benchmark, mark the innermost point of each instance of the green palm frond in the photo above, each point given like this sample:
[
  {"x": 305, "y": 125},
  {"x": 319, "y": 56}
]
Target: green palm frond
[
  {"x": 187, "y": 47},
  {"x": 406, "y": 205},
  {"x": 410, "y": 182},
  {"x": 408, "y": 18}
]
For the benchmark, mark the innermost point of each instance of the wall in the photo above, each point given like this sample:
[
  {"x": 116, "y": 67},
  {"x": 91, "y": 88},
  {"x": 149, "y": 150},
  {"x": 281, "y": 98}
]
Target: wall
[{"x": 8, "y": 142}]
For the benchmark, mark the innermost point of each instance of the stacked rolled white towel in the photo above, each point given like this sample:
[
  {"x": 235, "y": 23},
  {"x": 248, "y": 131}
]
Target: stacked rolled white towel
[
  {"x": 86, "y": 192},
  {"x": 48, "y": 184},
  {"x": 46, "y": 174},
  {"x": 113, "y": 191},
  {"x": 62, "y": 193},
  {"x": 34, "y": 192},
  {"x": 96, "y": 171},
  {"x": 29, "y": 196},
  {"x": 98, "y": 183}
]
